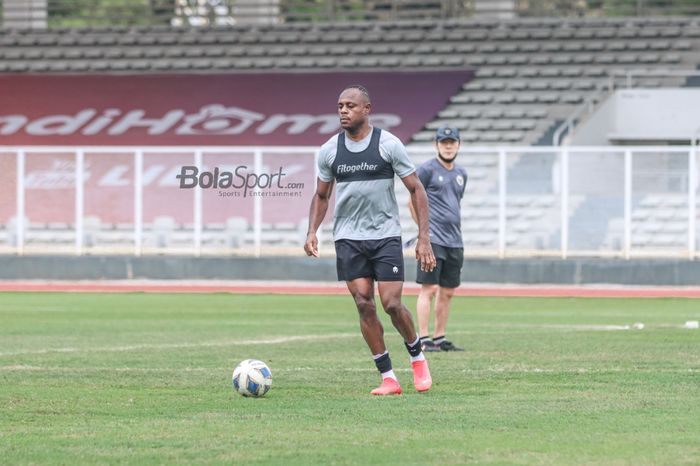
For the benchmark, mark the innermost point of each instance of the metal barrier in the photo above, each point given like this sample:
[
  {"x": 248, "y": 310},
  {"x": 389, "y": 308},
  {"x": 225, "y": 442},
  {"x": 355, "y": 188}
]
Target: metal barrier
[{"x": 520, "y": 201}]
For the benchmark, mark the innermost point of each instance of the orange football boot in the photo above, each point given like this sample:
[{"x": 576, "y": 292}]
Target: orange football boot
[
  {"x": 389, "y": 386},
  {"x": 421, "y": 376}
]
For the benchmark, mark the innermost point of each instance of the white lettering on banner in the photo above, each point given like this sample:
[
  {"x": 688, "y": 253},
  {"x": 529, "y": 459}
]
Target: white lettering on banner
[
  {"x": 212, "y": 120},
  {"x": 151, "y": 173},
  {"x": 156, "y": 126},
  {"x": 299, "y": 123},
  {"x": 170, "y": 178},
  {"x": 61, "y": 175},
  {"x": 101, "y": 122},
  {"x": 216, "y": 119},
  {"x": 12, "y": 123},
  {"x": 59, "y": 124},
  {"x": 114, "y": 176}
]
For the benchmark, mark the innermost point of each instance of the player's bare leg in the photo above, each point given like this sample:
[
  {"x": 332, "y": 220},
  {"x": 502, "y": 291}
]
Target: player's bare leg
[
  {"x": 425, "y": 300},
  {"x": 442, "y": 312},
  {"x": 442, "y": 309},
  {"x": 362, "y": 290},
  {"x": 423, "y": 305},
  {"x": 390, "y": 295}
]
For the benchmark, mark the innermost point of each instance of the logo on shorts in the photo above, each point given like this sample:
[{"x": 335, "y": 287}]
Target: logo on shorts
[{"x": 395, "y": 269}]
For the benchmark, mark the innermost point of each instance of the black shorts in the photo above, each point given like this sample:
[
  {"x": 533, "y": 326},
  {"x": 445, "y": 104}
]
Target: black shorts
[
  {"x": 380, "y": 259},
  {"x": 448, "y": 271}
]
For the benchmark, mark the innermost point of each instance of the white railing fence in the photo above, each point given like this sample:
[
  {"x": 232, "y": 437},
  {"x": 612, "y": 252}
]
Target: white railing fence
[{"x": 520, "y": 201}]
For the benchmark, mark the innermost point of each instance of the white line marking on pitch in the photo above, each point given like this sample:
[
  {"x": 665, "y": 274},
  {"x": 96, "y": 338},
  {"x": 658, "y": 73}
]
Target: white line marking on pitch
[
  {"x": 491, "y": 369},
  {"x": 280, "y": 340},
  {"x": 116, "y": 349},
  {"x": 586, "y": 327},
  {"x": 555, "y": 327}
]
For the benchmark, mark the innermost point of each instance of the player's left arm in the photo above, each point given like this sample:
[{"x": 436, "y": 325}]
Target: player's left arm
[
  {"x": 395, "y": 152},
  {"x": 419, "y": 201},
  {"x": 424, "y": 177}
]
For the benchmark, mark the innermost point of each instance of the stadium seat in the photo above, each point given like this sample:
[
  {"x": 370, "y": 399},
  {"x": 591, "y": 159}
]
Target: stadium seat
[
  {"x": 504, "y": 98},
  {"x": 530, "y": 64},
  {"x": 341, "y": 50},
  {"x": 525, "y": 124},
  {"x": 513, "y": 136},
  {"x": 517, "y": 60},
  {"x": 495, "y": 60},
  {"x": 572, "y": 98},
  {"x": 516, "y": 113},
  {"x": 259, "y": 51},
  {"x": 671, "y": 58}
]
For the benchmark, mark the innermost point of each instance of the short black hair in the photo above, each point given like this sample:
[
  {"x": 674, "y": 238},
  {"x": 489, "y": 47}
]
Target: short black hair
[{"x": 363, "y": 90}]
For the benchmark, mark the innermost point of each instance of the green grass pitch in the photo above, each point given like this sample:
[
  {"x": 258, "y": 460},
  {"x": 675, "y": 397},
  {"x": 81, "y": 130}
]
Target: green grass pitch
[{"x": 146, "y": 379}]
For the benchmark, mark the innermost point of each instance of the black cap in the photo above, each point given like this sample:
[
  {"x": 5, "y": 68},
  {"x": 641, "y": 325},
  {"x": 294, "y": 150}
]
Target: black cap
[{"x": 447, "y": 132}]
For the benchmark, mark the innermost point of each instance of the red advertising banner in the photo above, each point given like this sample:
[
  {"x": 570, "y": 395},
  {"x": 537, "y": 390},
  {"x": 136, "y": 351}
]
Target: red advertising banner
[
  {"x": 286, "y": 182},
  {"x": 211, "y": 109}
]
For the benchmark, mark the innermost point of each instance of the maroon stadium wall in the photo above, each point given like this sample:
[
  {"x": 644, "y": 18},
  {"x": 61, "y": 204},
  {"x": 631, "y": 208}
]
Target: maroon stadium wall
[
  {"x": 266, "y": 109},
  {"x": 214, "y": 109}
]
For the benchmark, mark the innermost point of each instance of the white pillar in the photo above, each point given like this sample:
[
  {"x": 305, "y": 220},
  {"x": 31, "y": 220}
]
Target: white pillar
[
  {"x": 564, "y": 203},
  {"x": 628, "y": 205},
  {"x": 502, "y": 192},
  {"x": 256, "y": 11},
  {"x": 138, "y": 202},
  {"x": 24, "y": 14},
  {"x": 79, "y": 200},
  {"x": 197, "y": 233},
  {"x": 692, "y": 200},
  {"x": 257, "y": 205},
  {"x": 20, "y": 202},
  {"x": 500, "y": 9}
]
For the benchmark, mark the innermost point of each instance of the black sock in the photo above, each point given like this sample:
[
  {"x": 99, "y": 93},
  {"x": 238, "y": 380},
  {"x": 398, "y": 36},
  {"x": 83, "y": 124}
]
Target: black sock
[
  {"x": 414, "y": 349},
  {"x": 383, "y": 363},
  {"x": 439, "y": 339}
]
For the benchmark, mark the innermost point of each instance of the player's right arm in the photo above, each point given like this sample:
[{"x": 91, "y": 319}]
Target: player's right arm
[
  {"x": 324, "y": 189},
  {"x": 319, "y": 206}
]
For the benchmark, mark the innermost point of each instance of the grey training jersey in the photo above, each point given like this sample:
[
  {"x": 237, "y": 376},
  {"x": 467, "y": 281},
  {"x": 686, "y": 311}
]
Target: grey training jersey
[
  {"x": 365, "y": 203},
  {"x": 445, "y": 189}
]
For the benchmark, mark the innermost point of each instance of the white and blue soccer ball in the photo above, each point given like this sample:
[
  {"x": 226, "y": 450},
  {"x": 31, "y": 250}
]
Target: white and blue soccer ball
[{"x": 252, "y": 378}]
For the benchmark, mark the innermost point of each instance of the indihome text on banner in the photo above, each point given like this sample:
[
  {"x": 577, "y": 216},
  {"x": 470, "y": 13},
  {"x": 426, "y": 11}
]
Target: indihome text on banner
[{"x": 217, "y": 109}]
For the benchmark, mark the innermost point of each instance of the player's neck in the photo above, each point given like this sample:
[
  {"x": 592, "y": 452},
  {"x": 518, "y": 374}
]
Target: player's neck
[{"x": 359, "y": 134}]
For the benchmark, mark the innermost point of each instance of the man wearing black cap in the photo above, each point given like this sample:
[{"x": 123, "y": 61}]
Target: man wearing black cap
[{"x": 444, "y": 183}]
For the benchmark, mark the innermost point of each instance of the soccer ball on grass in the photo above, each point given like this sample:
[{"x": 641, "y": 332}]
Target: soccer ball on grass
[{"x": 252, "y": 378}]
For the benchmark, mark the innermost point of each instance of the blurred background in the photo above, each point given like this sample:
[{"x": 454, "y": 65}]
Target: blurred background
[{"x": 579, "y": 123}]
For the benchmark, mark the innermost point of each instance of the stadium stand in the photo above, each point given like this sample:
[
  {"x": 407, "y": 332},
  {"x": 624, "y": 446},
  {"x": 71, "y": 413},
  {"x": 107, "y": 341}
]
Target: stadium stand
[{"x": 531, "y": 75}]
